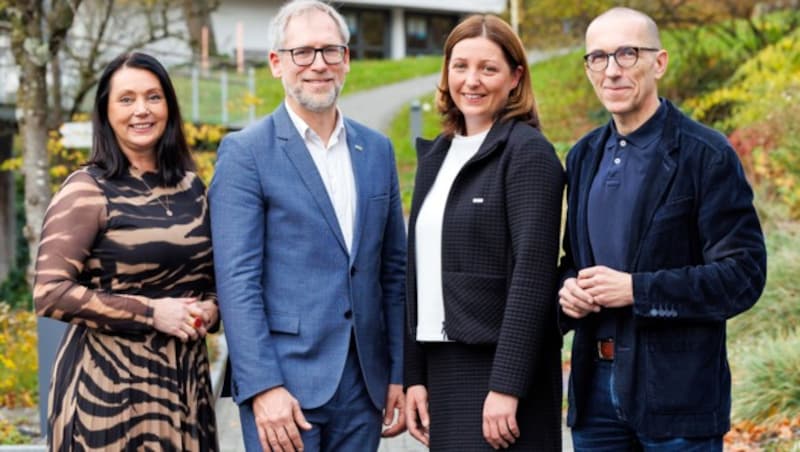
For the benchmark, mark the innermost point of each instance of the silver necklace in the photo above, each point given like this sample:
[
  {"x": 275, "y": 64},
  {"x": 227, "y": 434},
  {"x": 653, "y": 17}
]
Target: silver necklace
[{"x": 158, "y": 199}]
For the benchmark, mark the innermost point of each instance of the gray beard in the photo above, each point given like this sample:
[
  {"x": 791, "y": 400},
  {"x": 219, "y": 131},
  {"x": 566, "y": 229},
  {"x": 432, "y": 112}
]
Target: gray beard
[{"x": 314, "y": 103}]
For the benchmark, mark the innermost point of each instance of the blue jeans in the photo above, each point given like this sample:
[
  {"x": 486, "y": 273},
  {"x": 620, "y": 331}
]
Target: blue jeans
[{"x": 603, "y": 426}]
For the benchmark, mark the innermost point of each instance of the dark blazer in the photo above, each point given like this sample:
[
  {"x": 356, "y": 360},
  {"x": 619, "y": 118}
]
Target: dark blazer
[
  {"x": 499, "y": 255},
  {"x": 697, "y": 258}
]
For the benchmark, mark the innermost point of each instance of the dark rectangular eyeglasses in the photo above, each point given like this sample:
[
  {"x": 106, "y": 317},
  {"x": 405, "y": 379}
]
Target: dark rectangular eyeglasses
[
  {"x": 624, "y": 56},
  {"x": 305, "y": 56}
]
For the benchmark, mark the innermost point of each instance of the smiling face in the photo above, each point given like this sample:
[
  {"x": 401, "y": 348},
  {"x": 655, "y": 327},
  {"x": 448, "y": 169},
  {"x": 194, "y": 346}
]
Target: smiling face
[
  {"x": 629, "y": 94},
  {"x": 479, "y": 80},
  {"x": 137, "y": 111},
  {"x": 313, "y": 88}
]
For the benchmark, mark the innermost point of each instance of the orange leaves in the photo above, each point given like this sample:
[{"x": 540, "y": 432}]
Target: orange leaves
[{"x": 747, "y": 436}]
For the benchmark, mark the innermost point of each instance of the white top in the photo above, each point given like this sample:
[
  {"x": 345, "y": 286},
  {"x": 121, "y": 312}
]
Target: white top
[
  {"x": 333, "y": 163},
  {"x": 430, "y": 302}
]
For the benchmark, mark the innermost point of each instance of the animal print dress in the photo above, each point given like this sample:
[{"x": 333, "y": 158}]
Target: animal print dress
[{"x": 109, "y": 251}]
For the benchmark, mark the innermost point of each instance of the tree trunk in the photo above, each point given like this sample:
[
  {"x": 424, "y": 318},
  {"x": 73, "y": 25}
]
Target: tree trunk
[
  {"x": 33, "y": 103},
  {"x": 198, "y": 14},
  {"x": 8, "y": 223},
  {"x": 31, "y": 53}
]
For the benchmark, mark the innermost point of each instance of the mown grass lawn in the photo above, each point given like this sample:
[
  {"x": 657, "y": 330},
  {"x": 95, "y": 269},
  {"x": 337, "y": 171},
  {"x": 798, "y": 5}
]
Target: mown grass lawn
[{"x": 363, "y": 75}]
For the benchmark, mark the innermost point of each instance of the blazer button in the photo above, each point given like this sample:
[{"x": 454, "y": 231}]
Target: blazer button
[
  {"x": 352, "y": 271},
  {"x": 348, "y": 314}
]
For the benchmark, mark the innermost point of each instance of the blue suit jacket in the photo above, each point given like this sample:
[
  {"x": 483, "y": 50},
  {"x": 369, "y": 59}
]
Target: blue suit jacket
[{"x": 289, "y": 292}]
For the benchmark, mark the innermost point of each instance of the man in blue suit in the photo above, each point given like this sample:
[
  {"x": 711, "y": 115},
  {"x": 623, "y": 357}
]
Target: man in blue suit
[
  {"x": 310, "y": 255},
  {"x": 662, "y": 246}
]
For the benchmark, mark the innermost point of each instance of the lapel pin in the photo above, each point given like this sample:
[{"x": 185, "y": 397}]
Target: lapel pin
[
  {"x": 477, "y": 200},
  {"x": 359, "y": 147}
]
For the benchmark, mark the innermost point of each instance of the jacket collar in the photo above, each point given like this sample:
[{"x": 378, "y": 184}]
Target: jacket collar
[
  {"x": 497, "y": 136},
  {"x": 659, "y": 177}
]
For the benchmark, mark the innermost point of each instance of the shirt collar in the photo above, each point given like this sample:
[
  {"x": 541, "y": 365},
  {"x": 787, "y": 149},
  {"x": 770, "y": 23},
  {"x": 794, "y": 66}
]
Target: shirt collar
[
  {"x": 307, "y": 133},
  {"x": 646, "y": 133}
]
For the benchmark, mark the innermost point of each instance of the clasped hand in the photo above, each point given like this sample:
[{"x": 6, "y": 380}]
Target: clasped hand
[
  {"x": 595, "y": 288},
  {"x": 185, "y": 318}
]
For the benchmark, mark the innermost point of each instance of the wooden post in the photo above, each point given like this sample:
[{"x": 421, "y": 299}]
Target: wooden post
[
  {"x": 514, "y": 15},
  {"x": 239, "y": 47},
  {"x": 204, "y": 49}
]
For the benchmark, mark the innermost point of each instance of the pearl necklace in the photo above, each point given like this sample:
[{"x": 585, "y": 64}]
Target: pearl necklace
[{"x": 158, "y": 199}]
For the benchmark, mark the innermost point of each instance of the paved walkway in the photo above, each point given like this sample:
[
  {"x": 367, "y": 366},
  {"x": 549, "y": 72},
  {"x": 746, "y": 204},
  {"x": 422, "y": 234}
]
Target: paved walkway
[{"x": 375, "y": 108}]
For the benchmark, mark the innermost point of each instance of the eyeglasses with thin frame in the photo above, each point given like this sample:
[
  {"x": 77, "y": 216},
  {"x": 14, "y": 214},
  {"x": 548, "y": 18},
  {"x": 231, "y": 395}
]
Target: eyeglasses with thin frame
[
  {"x": 305, "y": 56},
  {"x": 624, "y": 56}
]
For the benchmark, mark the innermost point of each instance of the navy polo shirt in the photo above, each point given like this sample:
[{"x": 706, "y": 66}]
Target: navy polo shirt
[{"x": 612, "y": 199}]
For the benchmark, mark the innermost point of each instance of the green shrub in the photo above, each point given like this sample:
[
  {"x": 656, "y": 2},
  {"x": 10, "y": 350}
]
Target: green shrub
[
  {"x": 18, "y": 363},
  {"x": 9, "y": 434},
  {"x": 777, "y": 311},
  {"x": 767, "y": 378}
]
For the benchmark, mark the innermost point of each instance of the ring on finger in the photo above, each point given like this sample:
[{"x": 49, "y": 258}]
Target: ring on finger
[{"x": 195, "y": 322}]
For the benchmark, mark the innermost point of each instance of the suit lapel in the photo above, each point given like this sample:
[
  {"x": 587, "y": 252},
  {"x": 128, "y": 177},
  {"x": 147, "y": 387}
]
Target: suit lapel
[
  {"x": 296, "y": 151},
  {"x": 657, "y": 182},
  {"x": 594, "y": 155},
  {"x": 358, "y": 159}
]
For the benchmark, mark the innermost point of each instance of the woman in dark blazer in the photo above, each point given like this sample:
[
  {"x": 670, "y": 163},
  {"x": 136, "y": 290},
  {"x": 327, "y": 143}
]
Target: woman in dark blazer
[{"x": 482, "y": 352}]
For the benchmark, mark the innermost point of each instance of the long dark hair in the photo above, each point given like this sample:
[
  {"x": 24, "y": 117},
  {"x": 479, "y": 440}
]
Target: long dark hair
[
  {"x": 521, "y": 102},
  {"x": 172, "y": 153}
]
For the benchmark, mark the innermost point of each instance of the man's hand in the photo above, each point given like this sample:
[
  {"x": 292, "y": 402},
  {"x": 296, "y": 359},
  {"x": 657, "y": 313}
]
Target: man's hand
[
  {"x": 608, "y": 288},
  {"x": 417, "y": 419},
  {"x": 500, "y": 427},
  {"x": 575, "y": 301},
  {"x": 394, "y": 412},
  {"x": 278, "y": 415}
]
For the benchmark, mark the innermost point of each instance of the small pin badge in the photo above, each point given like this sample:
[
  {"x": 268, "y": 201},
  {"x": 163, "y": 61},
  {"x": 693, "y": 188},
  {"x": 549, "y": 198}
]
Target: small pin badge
[
  {"x": 477, "y": 200},
  {"x": 359, "y": 147}
]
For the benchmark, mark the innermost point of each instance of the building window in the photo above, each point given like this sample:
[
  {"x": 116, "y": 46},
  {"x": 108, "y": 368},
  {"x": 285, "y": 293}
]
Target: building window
[
  {"x": 368, "y": 33},
  {"x": 426, "y": 34}
]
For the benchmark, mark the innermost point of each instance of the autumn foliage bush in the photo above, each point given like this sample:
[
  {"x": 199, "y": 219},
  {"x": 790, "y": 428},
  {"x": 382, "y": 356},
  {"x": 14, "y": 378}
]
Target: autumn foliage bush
[
  {"x": 18, "y": 362},
  {"x": 758, "y": 108}
]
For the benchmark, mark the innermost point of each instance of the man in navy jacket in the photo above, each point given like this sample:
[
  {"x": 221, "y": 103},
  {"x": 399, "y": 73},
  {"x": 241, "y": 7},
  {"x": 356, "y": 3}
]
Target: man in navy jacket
[{"x": 662, "y": 246}]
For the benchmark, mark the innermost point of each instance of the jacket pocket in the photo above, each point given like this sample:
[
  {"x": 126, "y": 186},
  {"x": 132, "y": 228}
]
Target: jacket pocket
[
  {"x": 474, "y": 306},
  {"x": 674, "y": 209},
  {"x": 280, "y": 322},
  {"x": 685, "y": 370}
]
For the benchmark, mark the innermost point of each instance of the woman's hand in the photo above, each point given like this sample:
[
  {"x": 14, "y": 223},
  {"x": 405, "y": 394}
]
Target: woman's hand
[
  {"x": 210, "y": 314},
  {"x": 417, "y": 419},
  {"x": 179, "y": 317},
  {"x": 500, "y": 420}
]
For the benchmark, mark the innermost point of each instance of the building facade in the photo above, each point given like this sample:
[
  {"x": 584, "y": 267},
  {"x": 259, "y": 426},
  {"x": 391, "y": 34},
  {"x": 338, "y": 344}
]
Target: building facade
[{"x": 378, "y": 28}]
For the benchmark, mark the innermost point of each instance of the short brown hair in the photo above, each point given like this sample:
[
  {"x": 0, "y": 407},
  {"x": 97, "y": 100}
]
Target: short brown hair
[{"x": 521, "y": 103}]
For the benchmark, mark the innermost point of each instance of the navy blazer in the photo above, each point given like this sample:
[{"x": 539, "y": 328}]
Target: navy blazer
[
  {"x": 289, "y": 292},
  {"x": 697, "y": 258}
]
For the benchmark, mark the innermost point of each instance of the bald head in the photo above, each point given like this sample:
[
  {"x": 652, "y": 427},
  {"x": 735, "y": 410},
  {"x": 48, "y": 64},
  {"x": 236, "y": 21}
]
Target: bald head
[{"x": 626, "y": 18}]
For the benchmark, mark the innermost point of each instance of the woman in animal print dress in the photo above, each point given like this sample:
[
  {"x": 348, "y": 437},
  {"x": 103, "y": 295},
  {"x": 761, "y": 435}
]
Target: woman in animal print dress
[{"x": 125, "y": 258}]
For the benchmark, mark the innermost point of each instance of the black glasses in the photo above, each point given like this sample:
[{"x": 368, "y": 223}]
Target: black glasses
[
  {"x": 305, "y": 56},
  {"x": 624, "y": 56}
]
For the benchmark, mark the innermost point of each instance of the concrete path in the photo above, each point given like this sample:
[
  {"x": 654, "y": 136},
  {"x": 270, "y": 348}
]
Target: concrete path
[{"x": 375, "y": 108}]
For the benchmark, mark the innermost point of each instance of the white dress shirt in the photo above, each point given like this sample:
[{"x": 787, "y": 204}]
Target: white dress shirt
[
  {"x": 332, "y": 160},
  {"x": 430, "y": 301}
]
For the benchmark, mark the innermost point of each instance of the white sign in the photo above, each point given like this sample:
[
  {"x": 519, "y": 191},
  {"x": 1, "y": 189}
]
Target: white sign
[{"x": 76, "y": 134}]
